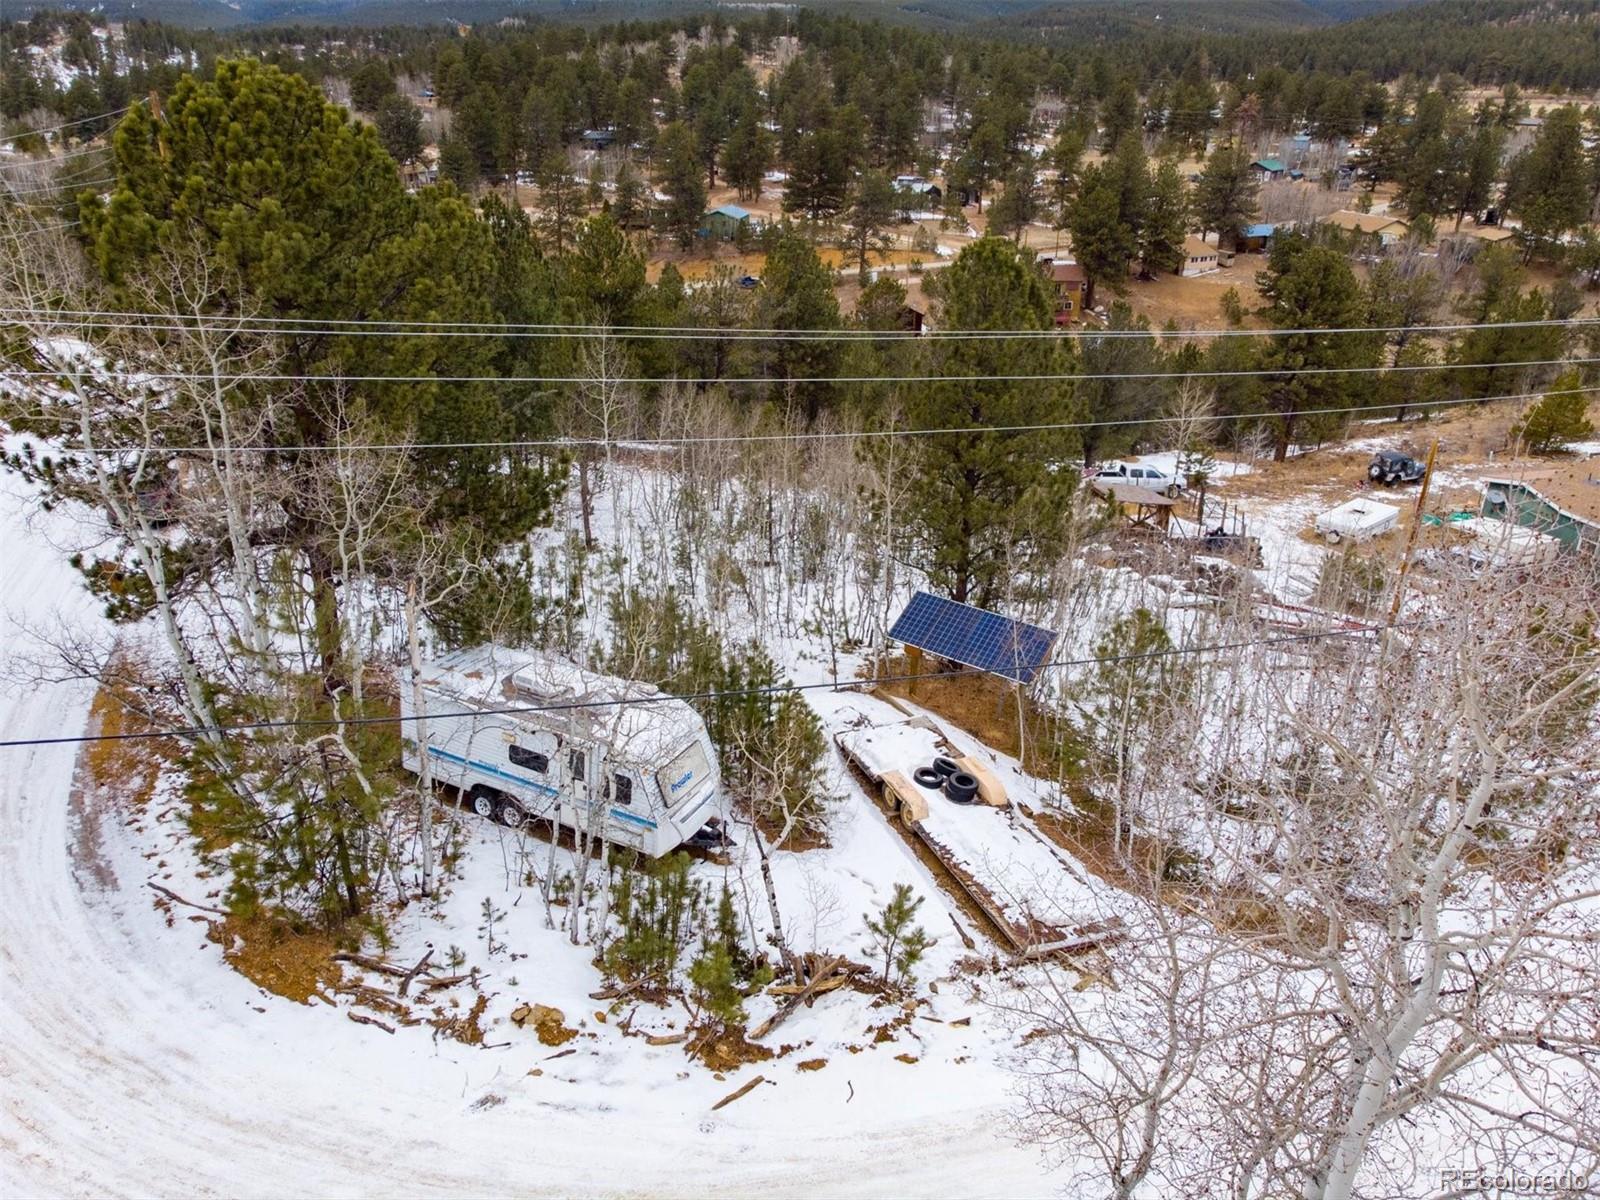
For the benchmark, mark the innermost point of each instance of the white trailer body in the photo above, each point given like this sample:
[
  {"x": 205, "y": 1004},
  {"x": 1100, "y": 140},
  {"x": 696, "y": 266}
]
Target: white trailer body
[
  {"x": 641, "y": 774},
  {"x": 1357, "y": 520}
]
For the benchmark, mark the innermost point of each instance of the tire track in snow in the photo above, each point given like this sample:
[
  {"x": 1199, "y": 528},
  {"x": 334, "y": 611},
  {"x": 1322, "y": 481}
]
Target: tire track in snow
[{"x": 133, "y": 1063}]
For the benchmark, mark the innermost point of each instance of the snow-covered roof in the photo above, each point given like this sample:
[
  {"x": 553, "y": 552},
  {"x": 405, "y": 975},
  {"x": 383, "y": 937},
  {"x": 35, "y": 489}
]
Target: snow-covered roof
[{"x": 649, "y": 726}]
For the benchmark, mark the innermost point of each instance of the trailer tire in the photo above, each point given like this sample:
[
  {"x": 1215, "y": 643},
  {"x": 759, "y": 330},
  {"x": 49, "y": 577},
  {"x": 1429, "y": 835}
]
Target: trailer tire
[
  {"x": 481, "y": 800},
  {"x": 961, "y": 787},
  {"x": 945, "y": 766},
  {"x": 1172, "y": 491},
  {"x": 511, "y": 814},
  {"x": 1331, "y": 536},
  {"x": 928, "y": 777}
]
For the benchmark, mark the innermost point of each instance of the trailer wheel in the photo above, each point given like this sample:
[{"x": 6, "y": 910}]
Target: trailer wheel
[
  {"x": 1172, "y": 491},
  {"x": 481, "y": 800},
  {"x": 961, "y": 787},
  {"x": 1331, "y": 536},
  {"x": 511, "y": 814}
]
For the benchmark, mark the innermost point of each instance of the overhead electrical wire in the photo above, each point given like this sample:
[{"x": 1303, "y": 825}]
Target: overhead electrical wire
[
  {"x": 645, "y": 441},
  {"x": 779, "y": 381},
  {"x": 17, "y": 137},
  {"x": 195, "y": 731},
  {"x": 375, "y": 327},
  {"x": 7, "y": 191}
]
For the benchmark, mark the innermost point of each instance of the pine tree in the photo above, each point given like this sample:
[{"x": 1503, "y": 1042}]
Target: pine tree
[
  {"x": 399, "y": 128},
  {"x": 1166, "y": 222},
  {"x": 1102, "y": 242},
  {"x": 748, "y": 154},
  {"x": 869, "y": 219},
  {"x": 1225, "y": 199},
  {"x": 1550, "y": 185},
  {"x": 681, "y": 182},
  {"x": 1311, "y": 287},
  {"x": 560, "y": 202},
  {"x": 797, "y": 293},
  {"x": 896, "y": 937},
  {"x": 989, "y": 500},
  {"x": 1561, "y": 416}
]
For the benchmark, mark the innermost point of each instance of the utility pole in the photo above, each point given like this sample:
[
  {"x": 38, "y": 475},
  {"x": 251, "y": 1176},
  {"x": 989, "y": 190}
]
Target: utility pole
[{"x": 1411, "y": 535}]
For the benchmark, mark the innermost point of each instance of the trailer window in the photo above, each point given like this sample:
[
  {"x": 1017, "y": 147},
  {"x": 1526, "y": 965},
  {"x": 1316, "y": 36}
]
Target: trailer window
[
  {"x": 620, "y": 789},
  {"x": 684, "y": 773},
  {"x": 531, "y": 759},
  {"x": 575, "y": 765}
]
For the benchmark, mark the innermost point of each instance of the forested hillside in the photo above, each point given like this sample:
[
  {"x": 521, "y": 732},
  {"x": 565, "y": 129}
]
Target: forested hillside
[{"x": 925, "y": 600}]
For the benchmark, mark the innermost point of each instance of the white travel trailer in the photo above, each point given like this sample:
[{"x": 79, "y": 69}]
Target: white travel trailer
[{"x": 641, "y": 774}]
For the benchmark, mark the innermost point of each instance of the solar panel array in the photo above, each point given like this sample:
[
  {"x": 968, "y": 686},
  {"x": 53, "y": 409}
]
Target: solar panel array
[{"x": 974, "y": 637}]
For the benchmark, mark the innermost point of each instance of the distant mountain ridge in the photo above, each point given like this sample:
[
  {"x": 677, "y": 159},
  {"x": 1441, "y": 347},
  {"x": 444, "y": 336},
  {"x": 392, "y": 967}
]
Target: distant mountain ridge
[{"x": 1124, "y": 16}]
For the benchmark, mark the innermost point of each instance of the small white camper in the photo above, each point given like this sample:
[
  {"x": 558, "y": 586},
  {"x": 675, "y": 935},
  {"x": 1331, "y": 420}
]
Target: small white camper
[
  {"x": 620, "y": 759},
  {"x": 1357, "y": 520}
]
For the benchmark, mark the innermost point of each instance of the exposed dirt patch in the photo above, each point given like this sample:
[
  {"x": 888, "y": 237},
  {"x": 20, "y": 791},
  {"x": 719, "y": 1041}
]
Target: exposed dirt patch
[
  {"x": 275, "y": 955},
  {"x": 550, "y": 1024},
  {"x": 467, "y": 1027},
  {"x": 726, "y": 1049},
  {"x": 811, "y": 1064}
]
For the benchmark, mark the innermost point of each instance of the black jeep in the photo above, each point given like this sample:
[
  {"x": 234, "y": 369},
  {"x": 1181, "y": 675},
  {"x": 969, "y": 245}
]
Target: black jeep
[{"x": 1390, "y": 467}]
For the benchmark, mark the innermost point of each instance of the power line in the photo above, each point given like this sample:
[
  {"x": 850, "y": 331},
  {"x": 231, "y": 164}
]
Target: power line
[
  {"x": 62, "y": 186},
  {"x": 358, "y": 327},
  {"x": 808, "y": 435},
  {"x": 778, "y": 381},
  {"x": 23, "y": 164},
  {"x": 665, "y": 698},
  {"x": 17, "y": 137}
]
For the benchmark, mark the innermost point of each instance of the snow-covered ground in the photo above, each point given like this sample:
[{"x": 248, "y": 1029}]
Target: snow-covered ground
[{"x": 135, "y": 1061}]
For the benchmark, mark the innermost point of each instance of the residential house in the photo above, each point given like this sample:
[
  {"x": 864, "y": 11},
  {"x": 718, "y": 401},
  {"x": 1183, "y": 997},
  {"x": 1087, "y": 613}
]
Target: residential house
[
  {"x": 598, "y": 139},
  {"x": 1561, "y": 500},
  {"x": 1379, "y": 227},
  {"x": 1268, "y": 169},
  {"x": 916, "y": 194},
  {"x": 1200, "y": 257},
  {"x": 1257, "y": 238},
  {"x": 724, "y": 222},
  {"x": 1071, "y": 287},
  {"x": 912, "y": 319}
]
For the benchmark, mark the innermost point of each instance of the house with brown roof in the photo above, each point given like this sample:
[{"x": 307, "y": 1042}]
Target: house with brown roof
[
  {"x": 1386, "y": 230},
  {"x": 1071, "y": 287},
  {"x": 1200, "y": 257}
]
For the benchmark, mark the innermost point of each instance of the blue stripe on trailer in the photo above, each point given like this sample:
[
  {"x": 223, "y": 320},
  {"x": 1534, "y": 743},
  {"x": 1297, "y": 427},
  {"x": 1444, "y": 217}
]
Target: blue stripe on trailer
[
  {"x": 628, "y": 816},
  {"x": 489, "y": 770}
]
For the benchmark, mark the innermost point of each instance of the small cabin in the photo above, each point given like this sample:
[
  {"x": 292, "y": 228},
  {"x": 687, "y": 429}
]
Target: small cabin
[
  {"x": 1268, "y": 169},
  {"x": 1071, "y": 287},
  {"x": 724, "y": 222},
  {"x": 1200, "y": 257},
  {"x": 1257, "y": 238}
]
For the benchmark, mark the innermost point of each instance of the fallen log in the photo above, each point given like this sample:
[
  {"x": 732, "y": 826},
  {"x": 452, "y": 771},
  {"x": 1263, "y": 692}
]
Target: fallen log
[
  {"x": 177, "y": 899},
  {"x": 361, "y": 1020},
  {"x": 449, "y": 980},
  {"x": 823, "y": 973},
  {"x": 412, "y": 974},
  {"x": 745, "y": 1090},
  {"x": 666, "y": 1039},
  {"x": 794, "y": 989},
  {"x": 371, "y": 964}
]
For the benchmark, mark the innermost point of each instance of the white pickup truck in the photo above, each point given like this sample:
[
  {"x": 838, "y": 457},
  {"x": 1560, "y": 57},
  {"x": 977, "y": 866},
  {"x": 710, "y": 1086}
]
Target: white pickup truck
[{"x": 1135, "y": 475}]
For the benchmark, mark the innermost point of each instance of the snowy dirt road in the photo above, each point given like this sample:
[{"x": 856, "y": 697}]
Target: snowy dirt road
[{"x": 134, "y": 1062}]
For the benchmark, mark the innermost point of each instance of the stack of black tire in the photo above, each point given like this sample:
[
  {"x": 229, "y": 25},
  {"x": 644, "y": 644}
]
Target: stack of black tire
[{"x": 960, "y": 786}]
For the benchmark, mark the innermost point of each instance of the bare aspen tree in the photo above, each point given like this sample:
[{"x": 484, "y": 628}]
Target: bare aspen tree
[{"x": 1397, "y": 851}]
